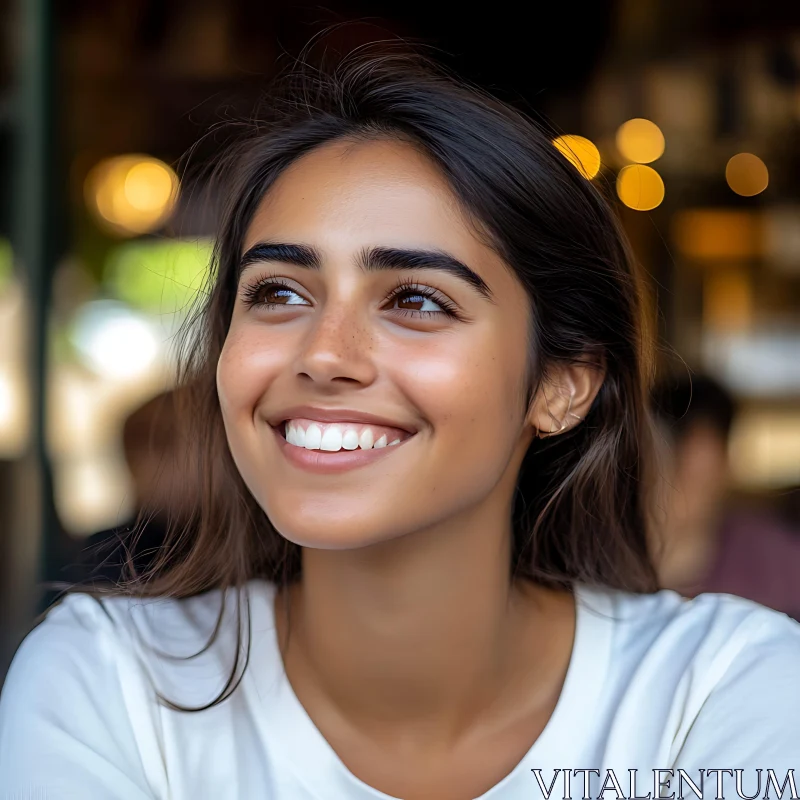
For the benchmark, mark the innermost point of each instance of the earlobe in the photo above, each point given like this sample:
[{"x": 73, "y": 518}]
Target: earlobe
[
  {"x": 570, "y": 418},
  {"x": 563, "y": 401}
]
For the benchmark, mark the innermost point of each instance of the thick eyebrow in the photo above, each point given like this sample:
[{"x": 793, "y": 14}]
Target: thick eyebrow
[
  {"x": 300, "y": 255},
  {"x": 369, "y": 259},
  {"x": 377, "y": 258}
]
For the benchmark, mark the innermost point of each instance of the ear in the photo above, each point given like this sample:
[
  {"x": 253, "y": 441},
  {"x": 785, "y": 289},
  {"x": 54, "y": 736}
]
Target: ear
[{"x": 565, "y": 397}]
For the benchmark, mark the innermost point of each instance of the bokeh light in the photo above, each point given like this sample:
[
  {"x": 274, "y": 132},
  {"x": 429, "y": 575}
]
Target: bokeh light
[
  {"x": 764, "y": 447},
  {"x": 115, "y": 341},
  {"x": 727, "y": 299},
  {"x": 580, "y": 152},
  {"x": 640, "y": 187},
  {"x": 14, "y": 411},
  {"x": 160, "y": 276},
  {"x": 717, "y": 233},
  {"x": 747, "y": 174},
  {"x": 6, "y": 399},
  {"x": 131, "y": 194},
  {"x": 640, "y": 140}
]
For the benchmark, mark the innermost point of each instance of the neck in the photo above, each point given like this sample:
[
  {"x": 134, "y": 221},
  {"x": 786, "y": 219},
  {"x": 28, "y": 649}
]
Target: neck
[{"x": 425, "y": 629}]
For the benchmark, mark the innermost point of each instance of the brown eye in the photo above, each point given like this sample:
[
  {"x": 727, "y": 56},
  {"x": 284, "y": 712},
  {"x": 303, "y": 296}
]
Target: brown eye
[
  {"x": 413, "y": 300},
  {"x": 278, "y": 295},
  {"x": 271, "y": 293}
]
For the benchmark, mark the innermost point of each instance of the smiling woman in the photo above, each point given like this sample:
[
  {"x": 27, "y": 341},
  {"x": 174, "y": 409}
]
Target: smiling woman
[{"x": 419, "y": 566}]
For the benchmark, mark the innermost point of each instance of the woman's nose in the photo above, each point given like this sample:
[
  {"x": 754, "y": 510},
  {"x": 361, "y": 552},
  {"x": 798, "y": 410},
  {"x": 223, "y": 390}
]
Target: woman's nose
[{"x": 338, "y": 347}]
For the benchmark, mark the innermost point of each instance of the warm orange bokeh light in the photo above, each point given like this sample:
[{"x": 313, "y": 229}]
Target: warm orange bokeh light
[
  {"x": 640, "y": 187},
  {"x": 717, "y": 233},
  {"x": 640, "y": 140},
  {"x": 747, "y": 174},
  {"x": 131, "y": 194},
  {"x": 580, "y": 152}
]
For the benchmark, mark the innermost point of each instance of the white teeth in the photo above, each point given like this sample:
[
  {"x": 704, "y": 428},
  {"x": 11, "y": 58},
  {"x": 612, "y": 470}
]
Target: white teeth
[
  {"x": 313, "y": 437},
  {"x": 295, "y": 434},
  {"x": 350, "y": 439},
  {"x": 331, "y": 439}
]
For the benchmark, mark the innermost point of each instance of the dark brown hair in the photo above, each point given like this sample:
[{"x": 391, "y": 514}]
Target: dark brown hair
[{"x": 580, "y": 513}]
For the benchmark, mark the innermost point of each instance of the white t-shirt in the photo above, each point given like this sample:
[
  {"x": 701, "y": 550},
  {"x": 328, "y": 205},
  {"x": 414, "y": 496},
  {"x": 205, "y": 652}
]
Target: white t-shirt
[{"x": 655, "y": 682}]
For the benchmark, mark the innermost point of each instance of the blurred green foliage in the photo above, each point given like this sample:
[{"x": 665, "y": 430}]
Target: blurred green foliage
[
  {"x": 6, "y": 262},
  {"x": 161, "y": 276}
]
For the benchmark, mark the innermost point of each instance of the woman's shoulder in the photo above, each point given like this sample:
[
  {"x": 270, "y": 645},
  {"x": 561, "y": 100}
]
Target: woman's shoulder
[
  {"x": 162, "y": 640},
  {"x": 92, "y": 672},
  {"x": 157, "y": 614},
  {"x": 712, "y": 613},
  {"x": 721, "y": 669},
  {"x": 117, "y": 614},
  {"x": 712, "y": 626}
]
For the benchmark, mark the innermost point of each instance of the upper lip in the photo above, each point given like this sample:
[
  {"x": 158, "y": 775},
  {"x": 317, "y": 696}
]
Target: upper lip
[{"x": 337, "y": 415}]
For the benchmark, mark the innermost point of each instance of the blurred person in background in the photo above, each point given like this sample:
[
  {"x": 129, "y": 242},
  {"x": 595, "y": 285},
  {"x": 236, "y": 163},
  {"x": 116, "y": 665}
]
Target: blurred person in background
[
  {"x": 164, "y": 495},
  {"x": 704, "y": 542},
  {"x": 424, "y": 571}
]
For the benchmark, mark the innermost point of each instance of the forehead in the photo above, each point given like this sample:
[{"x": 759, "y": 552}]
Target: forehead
[{"x": 378, "y": 192}]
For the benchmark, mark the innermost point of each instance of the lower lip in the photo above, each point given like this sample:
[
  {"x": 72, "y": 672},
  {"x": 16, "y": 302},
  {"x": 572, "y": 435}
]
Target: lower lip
[{"x": 323, "y": 462}]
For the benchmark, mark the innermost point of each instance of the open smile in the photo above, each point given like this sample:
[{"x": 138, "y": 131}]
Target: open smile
[{"x": 328, "y": 447}]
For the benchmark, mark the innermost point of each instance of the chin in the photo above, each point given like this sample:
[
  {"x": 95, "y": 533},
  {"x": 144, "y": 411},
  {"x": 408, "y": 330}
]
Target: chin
[{"x": 330, "y": 529}]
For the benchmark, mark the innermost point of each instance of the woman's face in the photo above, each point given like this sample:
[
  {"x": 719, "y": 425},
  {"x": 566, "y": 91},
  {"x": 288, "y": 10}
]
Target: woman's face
[{"x": 370, "y": 313}]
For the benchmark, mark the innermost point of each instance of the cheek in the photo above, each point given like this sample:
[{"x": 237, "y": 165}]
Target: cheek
[
  {"x": 246, "y": 368},
  {"x": 468, "y": 387}
]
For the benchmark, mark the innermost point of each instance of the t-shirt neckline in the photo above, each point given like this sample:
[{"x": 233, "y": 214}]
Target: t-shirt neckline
[{"x": 303, "y": 749}]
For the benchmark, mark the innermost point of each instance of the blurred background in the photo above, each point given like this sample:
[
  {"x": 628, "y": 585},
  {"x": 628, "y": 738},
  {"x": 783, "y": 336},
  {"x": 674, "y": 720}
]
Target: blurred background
[{"x": 687, "y": 112}]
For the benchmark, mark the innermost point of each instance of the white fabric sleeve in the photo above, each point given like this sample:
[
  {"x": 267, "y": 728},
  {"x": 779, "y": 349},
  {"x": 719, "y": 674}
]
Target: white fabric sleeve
[
  {"x": 750, "y": 720},
  {"x": 65, "y": 727}
]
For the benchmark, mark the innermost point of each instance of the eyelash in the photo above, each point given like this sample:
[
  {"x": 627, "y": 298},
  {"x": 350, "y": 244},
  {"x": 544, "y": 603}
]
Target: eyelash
[
  {"x": 251, "y": 292},
  {"x": 404, "y": 286}
]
